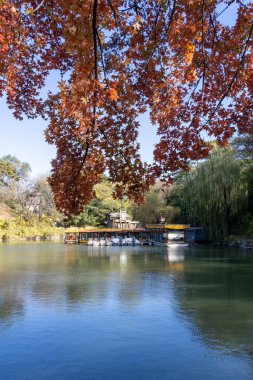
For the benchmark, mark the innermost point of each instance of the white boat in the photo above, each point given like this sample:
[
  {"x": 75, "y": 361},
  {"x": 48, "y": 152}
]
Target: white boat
[
  {"x": 108, "y": 241},
  {"x": 102, "y": 242},
  {"x": 96, "y": 242},
  {"x": 117, "y": 240}
]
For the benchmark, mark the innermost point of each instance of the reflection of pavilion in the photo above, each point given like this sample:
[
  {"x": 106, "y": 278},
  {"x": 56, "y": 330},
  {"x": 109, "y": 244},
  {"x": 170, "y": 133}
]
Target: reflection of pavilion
[
  {"x": 123, "y": 258},
  {"x": 175, "y": 256},
  {"x": 175, "y": 259}
]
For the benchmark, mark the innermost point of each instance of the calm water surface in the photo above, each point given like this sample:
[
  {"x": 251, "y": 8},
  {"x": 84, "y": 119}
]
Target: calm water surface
[{"x": 75, "y": 312}]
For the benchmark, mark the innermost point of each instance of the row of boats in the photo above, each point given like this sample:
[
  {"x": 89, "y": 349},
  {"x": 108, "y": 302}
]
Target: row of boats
[
  {"x": 117, "y": 241},
  {"x": 163, "y": 235}
]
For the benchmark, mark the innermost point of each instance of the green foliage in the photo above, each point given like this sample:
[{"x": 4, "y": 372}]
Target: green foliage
[
  {"x": 18, "y": 228},
  {"x": 95, "y": 212},
  {"x": 244, "y": 225},
  {"x": 154, "y": 207},
  {"x": 22, "y": 169},
  {"x": 214, "y": 194},
  {"x": 16, "y": 183},
  {"x": 7, "y": 173},
  {"x": 93, "y": 215},
  {"x": 243, "y": 146},
  {"x": 29, "y": 205}
]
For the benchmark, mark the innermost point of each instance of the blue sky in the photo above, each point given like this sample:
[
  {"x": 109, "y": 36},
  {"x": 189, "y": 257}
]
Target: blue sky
[{"x": 25, "y": 140}]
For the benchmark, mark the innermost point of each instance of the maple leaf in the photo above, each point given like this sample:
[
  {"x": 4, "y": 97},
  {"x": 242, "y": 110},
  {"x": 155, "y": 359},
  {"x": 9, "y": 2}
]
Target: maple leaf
[{"x": 112, "y": 93}]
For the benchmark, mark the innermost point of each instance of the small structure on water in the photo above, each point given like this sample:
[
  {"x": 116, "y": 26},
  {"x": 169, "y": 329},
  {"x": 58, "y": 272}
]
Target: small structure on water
[
  {"x": 172, "y": 235},
  {"x": 168, "y": 235},
  {"x": 120, "y": 230}
]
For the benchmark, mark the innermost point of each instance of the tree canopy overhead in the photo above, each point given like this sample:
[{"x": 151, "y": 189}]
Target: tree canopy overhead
[{"x": 176, "y": 59}]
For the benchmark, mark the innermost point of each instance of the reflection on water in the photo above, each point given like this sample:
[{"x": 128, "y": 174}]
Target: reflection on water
[
  {"x": 216, "y": 296},
  {"x": 125, "y": 313}
]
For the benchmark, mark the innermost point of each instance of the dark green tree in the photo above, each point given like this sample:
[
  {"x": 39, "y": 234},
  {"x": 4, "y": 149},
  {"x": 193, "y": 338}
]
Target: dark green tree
[
  {"x": 243, "y": 146},
  {"x": 214, "y": 194}
]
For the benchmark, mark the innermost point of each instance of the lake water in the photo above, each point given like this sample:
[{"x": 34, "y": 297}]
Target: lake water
[{"x": 76, "y": 312}]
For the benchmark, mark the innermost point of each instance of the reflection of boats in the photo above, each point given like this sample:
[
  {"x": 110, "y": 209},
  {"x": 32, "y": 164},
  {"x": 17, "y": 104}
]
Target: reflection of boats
[
  {"x": 178, "y": 245},
  {"x": 168, "y": 235}
]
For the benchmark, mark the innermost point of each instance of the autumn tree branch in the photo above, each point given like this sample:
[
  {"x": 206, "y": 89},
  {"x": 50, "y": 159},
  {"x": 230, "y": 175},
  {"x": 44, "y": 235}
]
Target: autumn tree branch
[
  {"x": 94, "y": 35},
  {"x": 31, "y": 12},
  {"x": 234, "y": 76}
]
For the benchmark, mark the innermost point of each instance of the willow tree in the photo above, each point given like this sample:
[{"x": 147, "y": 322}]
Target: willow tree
[
  {"x": 176, "y": 59},
  {"x": 243, "y": 146},
  {"x": 215, "y": 192}
]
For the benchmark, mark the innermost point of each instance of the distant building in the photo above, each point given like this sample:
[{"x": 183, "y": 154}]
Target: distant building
[{"x": 120, "y": 220}]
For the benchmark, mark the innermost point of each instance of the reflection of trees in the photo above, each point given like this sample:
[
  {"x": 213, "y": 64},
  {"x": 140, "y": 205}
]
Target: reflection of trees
[
  {"x": 11, "y": 307},
  {"x": 81, "y": 279},
  {"x": 64, "y": 276},
  {"x": 106, "y": 273},
  {"x": 216, "y": 296}
]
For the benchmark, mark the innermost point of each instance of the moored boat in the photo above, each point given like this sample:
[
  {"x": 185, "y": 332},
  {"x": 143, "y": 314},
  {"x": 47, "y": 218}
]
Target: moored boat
[{"x": 106, "y": 236}]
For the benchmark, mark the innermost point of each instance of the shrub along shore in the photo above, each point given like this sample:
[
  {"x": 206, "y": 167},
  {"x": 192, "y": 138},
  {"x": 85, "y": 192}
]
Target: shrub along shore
[{"x": 11, "y": 231}]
